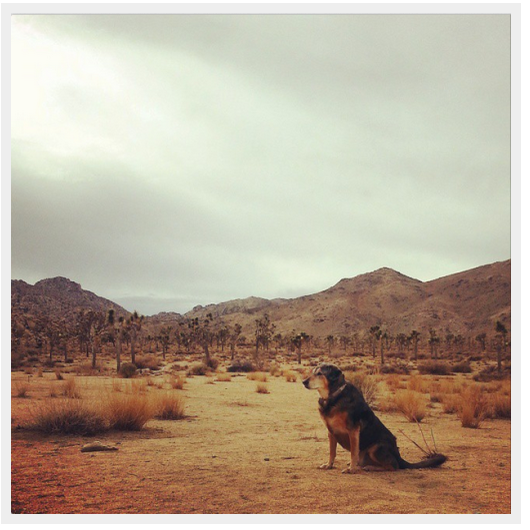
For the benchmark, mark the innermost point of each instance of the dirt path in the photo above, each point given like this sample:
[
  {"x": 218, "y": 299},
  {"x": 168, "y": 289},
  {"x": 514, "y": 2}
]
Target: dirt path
[{"x": 244, "y": 452}]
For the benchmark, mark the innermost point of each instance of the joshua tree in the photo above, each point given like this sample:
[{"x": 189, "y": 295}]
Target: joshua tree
[
  {"x": 233, "y": 338},
  {"x": 115, "y": 327},
  {"x": 165, "y": 338},
  {"x": 415, "y": 337},
  {"x": 134, "y": 325},
  {"x": 434, "y": 340},
  {"x": 502, "y": 332},
  {"x": 262, "y": 333},
  {"x": 375, "y": 335}
]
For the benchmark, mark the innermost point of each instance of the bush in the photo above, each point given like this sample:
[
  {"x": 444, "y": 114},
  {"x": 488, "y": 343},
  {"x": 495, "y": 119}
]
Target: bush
[
  {"x": 450, "y": 403},
  {"x": 434, "y": 367},
  {"x": 462, "y": 368},
  {"x": 128, "y": 412},
  {"x": 128, "y": 370},
  {"x": 257, "y": 376},
  {"x": 241, "y": 366},
  {"x": 262, "y": 388},
  {"x": 473, "y": 407},
  {"x": 198, "y": 369},
  {"x": 212, "y": 363},
  {"x": 225, "y": 378},
  {"x": 149, "y": 362},
  {"x": 366, "y": 384},
  {"x": 394, "y": 369},
  {"x": 58, "y": 375},
  {"x": 70, "y": 389},
  {"x": 21, "y": 390},
  {"x": 411, "y": 404},
  {"x": 170, "y": 406},
  {"x": 67, "y": 417},
  {"x": 290, "y": 376},
  {"x": 500, "y": 406},
  {"x": 177, "y": 383}
]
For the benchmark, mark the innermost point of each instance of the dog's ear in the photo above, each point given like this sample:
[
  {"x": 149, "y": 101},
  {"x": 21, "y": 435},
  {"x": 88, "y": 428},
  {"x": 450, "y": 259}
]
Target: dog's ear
[{"x": 334, "y": 374}]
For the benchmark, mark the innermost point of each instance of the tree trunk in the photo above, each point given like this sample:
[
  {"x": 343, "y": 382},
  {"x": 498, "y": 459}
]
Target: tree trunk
[
  {"x": 93, "y": 355},
  {"x": 118, "y": 353}
]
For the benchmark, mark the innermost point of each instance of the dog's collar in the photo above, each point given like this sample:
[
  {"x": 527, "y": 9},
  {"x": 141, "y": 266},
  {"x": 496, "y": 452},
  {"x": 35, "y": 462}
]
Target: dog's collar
[{"x": 332, "y": 397}]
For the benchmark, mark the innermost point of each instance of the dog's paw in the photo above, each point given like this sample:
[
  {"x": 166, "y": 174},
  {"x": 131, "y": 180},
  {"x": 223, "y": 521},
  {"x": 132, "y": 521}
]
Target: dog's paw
[
  {"x": 326, "y": 466},
  {"x": 352, "y": 470}
]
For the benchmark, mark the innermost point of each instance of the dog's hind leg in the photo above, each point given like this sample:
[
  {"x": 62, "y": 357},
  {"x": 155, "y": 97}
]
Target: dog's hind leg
[
  {"x": 384, "y": 458},
  {"x": 332, "y": 452}
]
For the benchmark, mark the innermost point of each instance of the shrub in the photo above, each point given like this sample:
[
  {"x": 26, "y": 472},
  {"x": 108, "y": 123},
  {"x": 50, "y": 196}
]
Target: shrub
[
  {"x": 473, "y": 407},
  {"x": 67, "y": 417},
  {"x": 275, "y": 370},
  {"x": 241, "y": 366},
  {"x": 366, "y": 384},
  {"x": 500, "y": 406},
  {"x": 262, "y": 388},
  {"x": 170, "y": 406},
  {"x": 212, "y": 363},
  {"x": 257, "y": 376},
  {"x": 225, "y": 377},
  {"x": 198, "y": 369},
  {"x": 128, "y": 412},
  {"x": 394, "y": 369},
  {"x": 116, "y": 385},
  {"x": 434, "y": 367},
  {"x": 21, "y": 390},
  {"x": 70, "y": 389},
  {"x": 58, "y": 375},
  {"x": 290, "y": 376},
  {"x": 149, "y": 362},
  {"x": 462, "y": 368},
  {"x": 128, "y": 370},
  {"x": 138, "y": 387},
  {"x": 418, "y": 384},
  {"x": 177, "y": 382},
  {"x": 411, "y": 404},
  {"x": 450, "y": 402}
]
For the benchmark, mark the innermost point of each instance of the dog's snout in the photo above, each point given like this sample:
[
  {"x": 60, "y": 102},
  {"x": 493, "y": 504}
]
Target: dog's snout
[{"x": 306, "y": 382}]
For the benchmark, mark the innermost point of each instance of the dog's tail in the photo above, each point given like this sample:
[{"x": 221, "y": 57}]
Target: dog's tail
[{"x": 432, "y": 461}]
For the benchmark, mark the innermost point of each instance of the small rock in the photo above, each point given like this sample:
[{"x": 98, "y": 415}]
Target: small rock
[
  {"x": 97, "y": 446},
  {"x": 266, "y": 459}
]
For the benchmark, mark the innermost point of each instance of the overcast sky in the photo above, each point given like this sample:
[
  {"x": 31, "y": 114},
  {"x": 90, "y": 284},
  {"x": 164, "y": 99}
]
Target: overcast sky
[{"x": 168, "y": 161}]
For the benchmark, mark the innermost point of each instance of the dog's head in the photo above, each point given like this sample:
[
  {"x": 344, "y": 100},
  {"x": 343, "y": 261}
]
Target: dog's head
[{"x": 325, "y": 378}]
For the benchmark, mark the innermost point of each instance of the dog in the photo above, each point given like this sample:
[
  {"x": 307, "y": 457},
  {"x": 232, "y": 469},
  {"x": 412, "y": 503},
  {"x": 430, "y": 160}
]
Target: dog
[{"x": 352, "y": 424}]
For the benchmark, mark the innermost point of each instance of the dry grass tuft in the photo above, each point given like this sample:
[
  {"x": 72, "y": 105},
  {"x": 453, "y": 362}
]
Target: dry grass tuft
[
  {"x": 67, "y": 417},
  {"x": 262, "y": 388},
  {"x": 170, "y": 406},
  {"x": 70, "y": 389},
  {"x": 224, "y": 377},
  {"x": 411, "y": 404},
  {"x": 473, "y": 407},
  {"x": 290, "y": 376},
  {"x": 177, "y": 382},
  {"x": 116, "y": 385},
  {"x": 138, "y": 386},
  {"x": 58, "y": 375},
  {"x": 21, "y": 390},
  {"x": 257, "y": 376},
  {"x": 128, "y": 412}
]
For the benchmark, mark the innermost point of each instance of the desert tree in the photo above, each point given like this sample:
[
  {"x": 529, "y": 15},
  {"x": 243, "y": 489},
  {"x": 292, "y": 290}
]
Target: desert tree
[
  {"x": 164, "y": 335},
  {"x": 134, "y": 325},
  {"x": 263, "y": 331},
  {"x": 481, "y": 339},
  {"x": 502, "y": 332},
  {"x": 233, "y": 337},
  {"x": 415, "y": 338},
  {"x": 278, "y": 342},
  {"x": 115, "y": 327},
  {"x": 375, "y": 336},
  {"x": 330, "y": 341},
  {"x": 298, "y": 340},
  {"x": 434, "y": 341}
]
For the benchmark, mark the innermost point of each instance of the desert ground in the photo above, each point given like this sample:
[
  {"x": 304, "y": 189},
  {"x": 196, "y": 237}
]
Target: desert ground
[{"x": 243, "y": 452}]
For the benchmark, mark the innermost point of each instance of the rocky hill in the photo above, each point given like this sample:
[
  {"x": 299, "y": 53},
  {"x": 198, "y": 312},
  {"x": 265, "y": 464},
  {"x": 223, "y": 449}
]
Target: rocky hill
[
  {"x": 57, "y": 299},
  {"x": 467, "y": 303}
]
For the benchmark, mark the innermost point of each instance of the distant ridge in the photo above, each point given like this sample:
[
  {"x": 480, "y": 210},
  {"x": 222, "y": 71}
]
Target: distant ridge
[{"x": 467, "y": 303}]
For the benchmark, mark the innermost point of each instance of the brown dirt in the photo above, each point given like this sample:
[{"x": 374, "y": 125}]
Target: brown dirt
[{"x": 244, "y": 452}]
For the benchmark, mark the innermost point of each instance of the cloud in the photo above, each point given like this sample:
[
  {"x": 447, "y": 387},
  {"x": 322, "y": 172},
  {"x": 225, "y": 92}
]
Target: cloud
[{"x": 184, "y": 159}]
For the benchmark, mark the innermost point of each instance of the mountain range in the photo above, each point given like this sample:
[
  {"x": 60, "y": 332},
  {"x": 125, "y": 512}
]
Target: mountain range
[{"x": 466, "y": 303}]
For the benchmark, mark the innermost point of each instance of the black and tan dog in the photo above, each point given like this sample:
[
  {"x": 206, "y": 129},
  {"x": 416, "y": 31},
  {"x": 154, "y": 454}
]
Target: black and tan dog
[{"x": 352, "y": 424}]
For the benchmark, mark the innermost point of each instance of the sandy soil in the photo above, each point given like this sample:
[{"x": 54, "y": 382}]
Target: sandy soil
[{"x": 243, "y": 452}]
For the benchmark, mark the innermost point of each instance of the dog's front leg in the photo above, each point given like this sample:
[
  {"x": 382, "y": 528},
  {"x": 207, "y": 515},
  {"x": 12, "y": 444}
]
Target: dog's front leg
[
  {"x": 332, "y": 452},
  {"x": 354, "y": 435}
]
